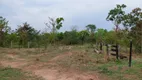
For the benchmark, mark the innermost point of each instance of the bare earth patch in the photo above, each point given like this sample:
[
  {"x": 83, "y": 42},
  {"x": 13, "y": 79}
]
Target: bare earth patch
[{"x": 57, "y": 73}]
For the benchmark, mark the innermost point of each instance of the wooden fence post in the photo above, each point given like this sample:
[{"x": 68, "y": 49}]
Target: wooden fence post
[
  {"x": 130, "y": 55},
  {"x": 107, "y": 49},
  {"x": 115, "y": 49}
]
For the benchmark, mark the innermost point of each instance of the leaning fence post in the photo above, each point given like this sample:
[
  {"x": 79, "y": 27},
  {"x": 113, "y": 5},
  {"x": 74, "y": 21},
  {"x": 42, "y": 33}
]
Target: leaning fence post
[{"x": 130, "y": 55}]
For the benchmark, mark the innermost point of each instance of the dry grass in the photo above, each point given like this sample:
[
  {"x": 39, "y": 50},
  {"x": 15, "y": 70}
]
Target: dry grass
[{"x": 82, "y": 58}]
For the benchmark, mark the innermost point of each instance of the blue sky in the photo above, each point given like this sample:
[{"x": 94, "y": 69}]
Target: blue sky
[{"x": 75, "y": 12}]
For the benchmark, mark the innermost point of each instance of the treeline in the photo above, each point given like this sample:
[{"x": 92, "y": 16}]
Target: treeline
[{"x": 25, "y": 36}]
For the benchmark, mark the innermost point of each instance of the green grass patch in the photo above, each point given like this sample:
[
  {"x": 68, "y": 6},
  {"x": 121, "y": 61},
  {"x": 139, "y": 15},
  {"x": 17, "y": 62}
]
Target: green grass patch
[{"x": 15, "y": 74}]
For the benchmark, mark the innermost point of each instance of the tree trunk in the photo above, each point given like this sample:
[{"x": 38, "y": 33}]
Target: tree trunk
[{"x": 116, "y": 30}]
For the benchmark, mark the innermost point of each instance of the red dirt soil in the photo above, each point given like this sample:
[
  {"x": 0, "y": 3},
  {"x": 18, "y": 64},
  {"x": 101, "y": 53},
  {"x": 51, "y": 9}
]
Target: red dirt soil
[{"x": 50, "y": 73}]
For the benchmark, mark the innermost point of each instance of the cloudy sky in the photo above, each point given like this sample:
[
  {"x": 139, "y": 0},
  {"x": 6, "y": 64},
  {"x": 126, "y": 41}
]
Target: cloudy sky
[{"x": 75, "y": 12}]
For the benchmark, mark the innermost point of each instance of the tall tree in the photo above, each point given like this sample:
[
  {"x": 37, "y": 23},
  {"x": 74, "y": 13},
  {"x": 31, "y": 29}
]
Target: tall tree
[
  {"x": 26, "y": 33},
  {"x": 4, "y": 29},
  {"x": 133, "y": 23},
  {"x": 116, "y": 15},
  {"x": 83, "y": 35},
  {"x": 133, "y": 18},
  {"x": 136, "y": 33},
  {"x": 91, "y": 28},
  {"x": 54, "y": 25},
  {"x": 22, "y": 33}
]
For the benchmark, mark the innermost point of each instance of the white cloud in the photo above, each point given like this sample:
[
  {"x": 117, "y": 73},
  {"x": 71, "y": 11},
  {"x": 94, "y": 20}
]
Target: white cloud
[{"x": 36, "y": 12}]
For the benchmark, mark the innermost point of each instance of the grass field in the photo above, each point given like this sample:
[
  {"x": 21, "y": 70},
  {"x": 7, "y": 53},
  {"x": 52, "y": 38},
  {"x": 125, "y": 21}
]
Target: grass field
[{"x": 57, "y": 61}]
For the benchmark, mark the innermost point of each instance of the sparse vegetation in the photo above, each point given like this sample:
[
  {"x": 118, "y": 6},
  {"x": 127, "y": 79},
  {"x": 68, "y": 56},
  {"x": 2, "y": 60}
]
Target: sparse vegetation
[
  {"x": 79, "y": 58},
  {"x": 26, "y": 48},
  {"x": 8, "y": 73}
]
